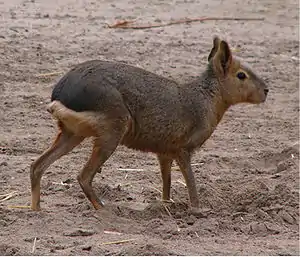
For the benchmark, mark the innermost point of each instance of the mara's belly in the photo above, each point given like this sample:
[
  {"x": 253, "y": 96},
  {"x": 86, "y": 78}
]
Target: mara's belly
[
  {"x": 167, "y": 139},
  {"x": 153, "y": 145},
  {"x": 156, "y": 141}
]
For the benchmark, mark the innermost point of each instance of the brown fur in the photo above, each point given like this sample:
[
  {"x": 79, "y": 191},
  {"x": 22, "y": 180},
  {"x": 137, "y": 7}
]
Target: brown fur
[{"x": 160, "y": 116}]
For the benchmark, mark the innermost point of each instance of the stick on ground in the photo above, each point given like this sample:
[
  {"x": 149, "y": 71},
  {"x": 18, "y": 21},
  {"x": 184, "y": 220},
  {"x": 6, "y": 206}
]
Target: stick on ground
[
  {"x": 127, "y": 24},
  {"x": 8, "y": 196},
  {"x": 18, "y": 207},
  {"x": 49, "y": 74},
  {"x": 34, "y": 245},
  {"x": 118, "y": 242}
]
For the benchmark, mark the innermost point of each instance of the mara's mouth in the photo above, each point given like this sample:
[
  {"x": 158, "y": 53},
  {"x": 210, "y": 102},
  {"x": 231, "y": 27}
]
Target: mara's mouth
[
  {"x": 263, "y": 98},
  {"x": 257, "y": 99}
]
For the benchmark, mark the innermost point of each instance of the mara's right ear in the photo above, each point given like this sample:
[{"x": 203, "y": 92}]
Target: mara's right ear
[{"x": 215, "y": 48}]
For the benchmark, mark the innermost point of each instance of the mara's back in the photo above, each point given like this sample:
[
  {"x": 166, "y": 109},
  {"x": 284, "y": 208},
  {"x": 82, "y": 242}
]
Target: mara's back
[{"x": 87, "y": 86}]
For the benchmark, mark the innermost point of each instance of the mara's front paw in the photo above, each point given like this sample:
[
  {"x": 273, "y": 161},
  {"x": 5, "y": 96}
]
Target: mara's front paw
[{"x": 199, "y": 212}]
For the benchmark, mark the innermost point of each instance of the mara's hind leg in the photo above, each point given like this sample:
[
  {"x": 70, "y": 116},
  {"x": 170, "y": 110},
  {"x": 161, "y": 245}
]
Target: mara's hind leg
[
  {"x": 105, "y": 144},
  {"x": 107, "y": 126},
  {"x": 64, "y": 143}
]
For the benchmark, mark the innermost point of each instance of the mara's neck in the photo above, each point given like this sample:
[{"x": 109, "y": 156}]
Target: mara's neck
[{"x": 206, "y": 90}]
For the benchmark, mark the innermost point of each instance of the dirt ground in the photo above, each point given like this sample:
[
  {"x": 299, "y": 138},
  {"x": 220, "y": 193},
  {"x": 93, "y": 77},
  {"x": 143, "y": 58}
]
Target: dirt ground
[{"x": 247, "y": 172}]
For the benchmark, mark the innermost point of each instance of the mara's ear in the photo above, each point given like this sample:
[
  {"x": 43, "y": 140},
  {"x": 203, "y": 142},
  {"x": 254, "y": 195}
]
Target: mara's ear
[
  {"x": 223, "y": 58},
  {"x": 215, "y": 48}
]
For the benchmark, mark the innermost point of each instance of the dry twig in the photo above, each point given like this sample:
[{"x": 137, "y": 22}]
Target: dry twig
[
  {"x": 180, "y": 182},
  {"x": 34, "y": 245},
  {"x": 126, "y": 24},
  {"x": 7, "y": 196},
  {"x": 120, "y": 24},
  {"x": 49, "y": 74},
  {"x": 129, "y": 169},
  {"x": 18, "y": 206},
  {"x": 197, "y": 164},
  {"x": 112, "y": 232},
  {"x": 118, "y": 242},
  {"x": 169, "y": 213}
]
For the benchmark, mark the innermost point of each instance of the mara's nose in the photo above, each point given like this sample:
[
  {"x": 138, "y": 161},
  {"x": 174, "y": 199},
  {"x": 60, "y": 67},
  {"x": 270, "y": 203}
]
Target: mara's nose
[{"x": 266, "y": 91}]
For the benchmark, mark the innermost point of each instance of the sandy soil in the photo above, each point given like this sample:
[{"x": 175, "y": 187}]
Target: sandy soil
[{"x": 247, "y": 172}]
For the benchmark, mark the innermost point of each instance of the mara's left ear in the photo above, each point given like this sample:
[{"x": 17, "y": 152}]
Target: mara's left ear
[
  {"x": 215, "y": 48},
  {"x": 223, "y": 58}
]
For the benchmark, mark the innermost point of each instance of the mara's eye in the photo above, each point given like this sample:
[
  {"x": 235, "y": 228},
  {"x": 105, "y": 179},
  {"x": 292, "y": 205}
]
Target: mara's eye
[{"x": 241, "y": 75}]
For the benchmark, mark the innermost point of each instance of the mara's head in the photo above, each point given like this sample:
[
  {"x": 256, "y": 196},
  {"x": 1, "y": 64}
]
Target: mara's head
[{"x": 237, "y": 81}]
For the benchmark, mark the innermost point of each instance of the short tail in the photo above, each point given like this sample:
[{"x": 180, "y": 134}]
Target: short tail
[{"x": 78, "y": 123}]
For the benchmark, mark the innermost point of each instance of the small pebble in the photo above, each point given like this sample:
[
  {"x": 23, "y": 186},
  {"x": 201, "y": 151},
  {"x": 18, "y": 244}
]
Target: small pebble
[
  {"x": 87, "y": 248},
  {"x": 166, "y": 236},
  {"x": 257, "y": 228},
  {"x": 281, "y": 166}
]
